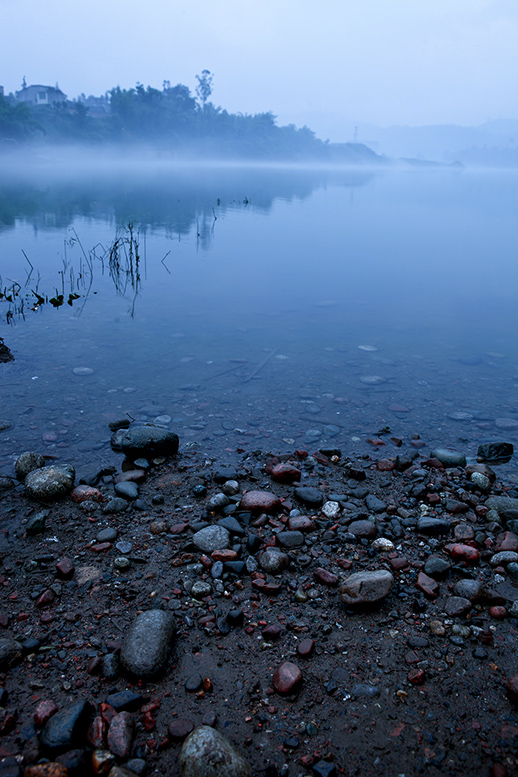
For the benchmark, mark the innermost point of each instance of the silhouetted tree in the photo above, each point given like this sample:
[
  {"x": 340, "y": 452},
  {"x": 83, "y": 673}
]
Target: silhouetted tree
[{"x": 204, "y": 88}]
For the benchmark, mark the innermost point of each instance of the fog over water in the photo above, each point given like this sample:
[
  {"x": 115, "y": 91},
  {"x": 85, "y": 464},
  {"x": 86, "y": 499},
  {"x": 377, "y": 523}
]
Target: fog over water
[{"x": 367, "y": 289}]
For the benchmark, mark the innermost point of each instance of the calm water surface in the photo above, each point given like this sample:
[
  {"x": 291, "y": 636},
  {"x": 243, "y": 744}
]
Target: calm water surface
[{"x": 366, "y": 290}]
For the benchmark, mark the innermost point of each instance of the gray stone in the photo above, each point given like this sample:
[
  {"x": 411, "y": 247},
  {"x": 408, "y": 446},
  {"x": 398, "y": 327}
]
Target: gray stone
[
  {"x": 217, "y": 503},
  {"x": 501, "y": 503},
  {"x": 212, "y": 538},
  {"x": 457, "y": 606},
  {"x": 506, "y": 424},
  {"x": 433, "y": 527},
  {"x": 495, "y": 451},
  {"x": 448, "y": 457},
  {"x": 115, "y": 505},
  {"x": 366, "y": 588},
  {"x": 363, "y": 529},
  {"x": 66, "y": 727},
  {"x": 437, "y": 567},
  {"x": 148, "y": 441},
  {"x": 207, "y": 753},
  {"x": 290, "y": 539},
  {"x": 126, "y": 489},
  {"x": 469, "y": 589},
  {"x": 28, "y": 462},
  {"x": 503, "y": 558},
  {"x": 10, "y": 652},
  {"x": 107, "y": 535},
  {"x": 200, "y": 589},
  {"x": 273, "y": 561},
  {"x": 374, "y": 504},
  {"x": 49, "y": 483},
  {"x": 148, "y": 643},
  {"x": 309, "y": 495},
  {"x": 481, "y": 481}
]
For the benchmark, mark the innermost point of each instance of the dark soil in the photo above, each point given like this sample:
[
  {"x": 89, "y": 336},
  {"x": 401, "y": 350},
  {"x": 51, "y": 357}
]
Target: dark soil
[{"x": 362, "y": 705}]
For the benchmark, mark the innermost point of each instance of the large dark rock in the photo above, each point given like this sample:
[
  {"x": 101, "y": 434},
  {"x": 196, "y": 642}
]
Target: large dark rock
[
  {"x": 364, "y": 589},
  {"x": 148, "y": 643},
  {"x": 66, "y": 727},
  {"x": 147, "y": 441},
  {"x": 50, "y": 483},
  {"x": 309, "y": 496},
  {"x": 498, "y": 452},
  {"x": 10, "y": 652}
]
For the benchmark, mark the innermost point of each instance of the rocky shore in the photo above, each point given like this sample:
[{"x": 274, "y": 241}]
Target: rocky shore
[{"x": 268, "y": 613}]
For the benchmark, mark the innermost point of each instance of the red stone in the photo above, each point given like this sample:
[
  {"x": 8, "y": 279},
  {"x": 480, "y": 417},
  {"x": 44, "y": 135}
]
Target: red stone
[
  {"x": 96, "y": 734},
  {"x": 121, "y": 734},
  {"x": 465, "y": 553},
  {"x": 324, "y": 576},
  {"x": 224, "y": 555},
  {"x": 270, "y": 589},
  {"x": 101, "y": 546},
  {"x": 272, "y": 632},
  {"x": 285, "y": 473},
  {"x": 507, "y": 540},
  {"x": 179, "y": 729},
  {"x": 46, "y": 598},
  {"x": 65, "y": 568},
  {"x": 287, "y": 678},
  {"x": 133, "y": 475},
  {"x": 498, "y": 613},
  {"x": 399, "y": 563},
  {"x": 300, "y": 523},
  {"x": 107, "y": 712},
  {"x": 46, "y": 770},
  {"x": 44, "y": 711},
  {"x": 306, "y": 647},
  {"x": 385, "y": 465},
  {"x": 416, "y": 676},
  {"x": 178, "y": 528},
  {"x": 86, "y": 493},
  {"x": 433, "y": 499},
  {"x": 260, "y": 501},
  {"x": 427, "y": 585}
]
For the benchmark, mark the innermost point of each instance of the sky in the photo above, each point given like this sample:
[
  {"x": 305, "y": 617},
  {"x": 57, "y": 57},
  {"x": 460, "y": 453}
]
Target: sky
[{"x": 384, "y": 62}]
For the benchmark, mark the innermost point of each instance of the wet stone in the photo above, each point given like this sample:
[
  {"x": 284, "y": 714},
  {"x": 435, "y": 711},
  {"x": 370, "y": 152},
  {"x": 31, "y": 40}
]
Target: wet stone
[
  {"x": 495, "y": 451},
  {"x": 193, "y": 683},
  {"x": 127, "y": 489},
  {"x": 287, "y": 678},
  {"x": 125, "y": 700},
  {"x": 374, "y": 504},
  {"x": 285, "y": 473},
  {"x": 469, "y": 589},
  {"x": 66, "y": 727},
  {"x": 148, "y": 442},
  {"x": 309, "y": 496},
  {"x": 427, "y": 585},
  {"x": 147, "y": 645},
  {"x": 448, "y": 457},
  {"x": 306, "y": 647},
  {"x": 10, "y": 652},
  {"x": 273, "y": 561},
  {"x": 363, "y": 529},
  {"x": 50, "y": 483},
  {"x": 207, "y": 753},
  {"x": 290, "y": 539},
  {"x": 437, "y": 567},
  {"x": 28, "y": 462},
  {"x": 326, "y": 577},
  {"x": 115, "y": 505},
  {"x": 433, "y": 527}
]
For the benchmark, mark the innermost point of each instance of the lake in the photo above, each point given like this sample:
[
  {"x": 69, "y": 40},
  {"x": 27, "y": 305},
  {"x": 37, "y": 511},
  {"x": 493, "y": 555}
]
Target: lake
[{"x": 257, "y": 307}]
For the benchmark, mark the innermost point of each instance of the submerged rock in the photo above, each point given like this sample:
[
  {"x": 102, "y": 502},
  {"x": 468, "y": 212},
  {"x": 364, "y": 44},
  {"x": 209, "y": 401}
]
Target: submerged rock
[
  {"x": 27, "y": 462},
  {"x": 51, "y": 482},
  {"x": 448, "y": 457},
  {"x": 146, "y": 441},
  {"x": 207, "y": 753},
  {"x": 148, "y": 643}
]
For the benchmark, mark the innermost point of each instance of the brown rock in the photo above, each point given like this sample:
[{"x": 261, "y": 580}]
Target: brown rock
[
  {"x": 512, "y": 688},
  {"x": 301, "y": 523},
  {"x": 427, "y": 585},
  {"x": 287, "y": 678},
  {"x": 326, "y": 577},
  {"x": 457, "y": 606},
  {"x": 285, "y": 473},
  {"x": 507, "y": 540},
  {"x": 179, "y": 729},
  {"x": 86, "y": 494},
  {"x": 306, "y": 647},
  {"x": 46, "y": 770},
  {"x": 363, "y": 529},
  {"x": 121, "y": 734},
  {"x": 65, "y": 568},
  {"x": 44, "y": 711},
  {"x": 260, "y": 502}
]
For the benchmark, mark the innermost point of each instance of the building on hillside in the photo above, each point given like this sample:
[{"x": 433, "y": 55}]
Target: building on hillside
[
  {"x": 97, "y": 106},
  {"x": 36, "y": 94}
]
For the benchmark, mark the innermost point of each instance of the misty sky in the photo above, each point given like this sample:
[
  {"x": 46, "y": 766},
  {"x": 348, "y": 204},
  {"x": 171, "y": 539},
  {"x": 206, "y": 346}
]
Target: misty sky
[{"x": 381, "y": 61}]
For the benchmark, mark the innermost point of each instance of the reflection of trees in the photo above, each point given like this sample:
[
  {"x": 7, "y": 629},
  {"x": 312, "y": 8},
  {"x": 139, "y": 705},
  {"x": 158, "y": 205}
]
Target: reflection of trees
[{"x": 178, "y": 199}]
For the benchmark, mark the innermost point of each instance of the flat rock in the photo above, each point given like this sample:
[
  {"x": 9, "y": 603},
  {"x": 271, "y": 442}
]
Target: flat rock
[
  {"x": 260, "y": 501},
  {"x": 49, "y": 483},
  {"x": 207, "y": 753},
  {"x": 448, "y": 457},
  {"x": 147, "y": 645},
  {"x": 126, "y": 489},
  {"x": 309, "y": 496},
  {"x": 506, "y": 424},
  {"x": 374, "y": 504},
  {"x": 212, "y": 538},
  {"x": 363, "y": 529},
  {"x": 501, "y": 503},
  {"x": 366, "y": 588},
  {"x": 121, "y": 734},
  {"x": 290, "y": 539},
  {"x": 457, "y": 606},
  {"x": 433, "y": 527},
  {"x": 148, "y": 441},
  {"x": 469, "y": 589}
]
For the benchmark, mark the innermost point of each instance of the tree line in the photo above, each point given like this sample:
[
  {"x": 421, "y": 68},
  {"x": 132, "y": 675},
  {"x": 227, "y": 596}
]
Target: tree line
[{"x": 170, "y": 119}]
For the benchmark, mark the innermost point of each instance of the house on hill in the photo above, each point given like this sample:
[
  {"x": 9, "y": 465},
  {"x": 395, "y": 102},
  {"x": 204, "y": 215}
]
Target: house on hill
[{"x": 36, "y": 94}]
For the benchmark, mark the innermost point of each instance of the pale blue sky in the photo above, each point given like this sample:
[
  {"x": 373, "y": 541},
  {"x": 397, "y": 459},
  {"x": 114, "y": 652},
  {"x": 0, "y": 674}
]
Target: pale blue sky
[{"x": 381, "y": 61}]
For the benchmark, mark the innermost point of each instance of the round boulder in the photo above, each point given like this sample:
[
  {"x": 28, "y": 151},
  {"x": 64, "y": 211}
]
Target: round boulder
[
  {"x": 28, "y": 462},
  {"x": 49, "y": 483},
  {"x": 147, "y": 645}
]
